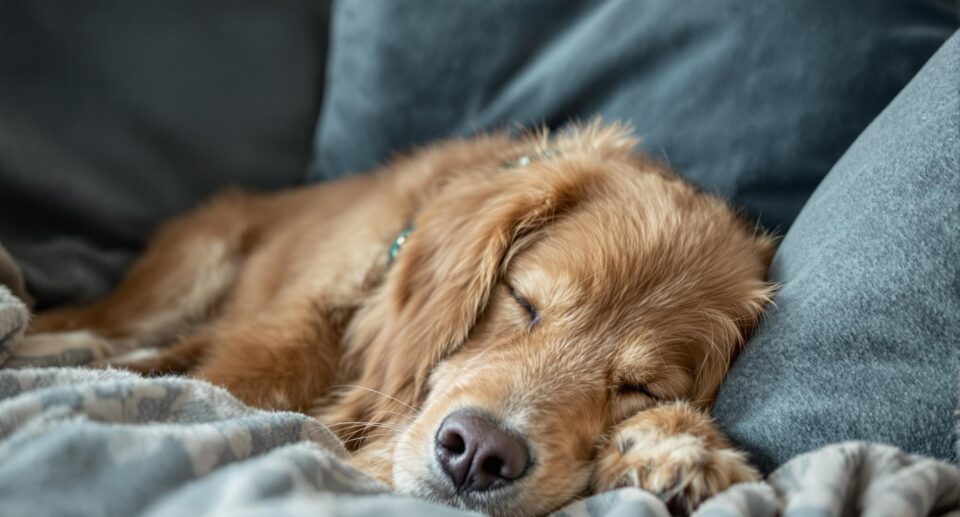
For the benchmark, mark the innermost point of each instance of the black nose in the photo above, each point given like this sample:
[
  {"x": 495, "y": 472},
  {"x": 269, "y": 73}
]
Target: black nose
[{"x": 477, "y": 455}]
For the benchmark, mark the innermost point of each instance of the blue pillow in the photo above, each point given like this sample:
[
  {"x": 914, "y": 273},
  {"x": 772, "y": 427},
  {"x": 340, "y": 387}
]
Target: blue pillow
[
  {"x": 863, "y": 341},
  {"x": 755, "y": 100}
]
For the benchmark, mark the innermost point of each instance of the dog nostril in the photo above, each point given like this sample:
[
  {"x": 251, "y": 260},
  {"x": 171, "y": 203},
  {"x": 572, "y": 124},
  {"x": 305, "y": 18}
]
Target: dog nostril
[
  {"x": 493, "y": 466},
  {"x": 452, "y": 442}
]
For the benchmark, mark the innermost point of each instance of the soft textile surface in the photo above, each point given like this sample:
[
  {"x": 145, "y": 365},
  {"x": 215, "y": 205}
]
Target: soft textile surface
[
  {"x": 103, "y": 443},
  {"x": 852, "y": 478},
  {"x": 755, "y": 100},
  {"x": 863, "y": 340},
  {"x": 13, "y": 322},
  {"x": 115, "y": 115},
  {"x": 11, "y": 276}
]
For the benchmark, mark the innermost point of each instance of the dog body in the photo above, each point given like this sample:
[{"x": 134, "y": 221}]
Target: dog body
[{"x": 498, "y": 324}]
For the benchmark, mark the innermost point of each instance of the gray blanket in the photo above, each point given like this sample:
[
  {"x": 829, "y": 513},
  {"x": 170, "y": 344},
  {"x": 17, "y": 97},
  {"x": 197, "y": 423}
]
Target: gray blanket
[{"x": 75, "y": 441}]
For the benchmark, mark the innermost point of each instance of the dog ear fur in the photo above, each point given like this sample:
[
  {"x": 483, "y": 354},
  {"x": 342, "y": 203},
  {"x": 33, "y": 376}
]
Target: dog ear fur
[{"x": 444, "y": 275}]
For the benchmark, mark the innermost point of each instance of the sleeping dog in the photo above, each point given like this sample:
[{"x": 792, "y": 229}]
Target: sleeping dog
[{"x": 494, "y": 323}]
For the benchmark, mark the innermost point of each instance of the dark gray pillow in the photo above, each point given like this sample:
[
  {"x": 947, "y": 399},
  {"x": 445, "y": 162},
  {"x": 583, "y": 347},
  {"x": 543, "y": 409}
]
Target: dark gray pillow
[
  {"x": 863, "y": 341},
  {"x": 116, "y": 114},
  {"x": 753, "y": 99}
]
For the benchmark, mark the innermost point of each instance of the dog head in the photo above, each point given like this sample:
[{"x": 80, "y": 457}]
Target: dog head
[{"x": 537, "y": 305}]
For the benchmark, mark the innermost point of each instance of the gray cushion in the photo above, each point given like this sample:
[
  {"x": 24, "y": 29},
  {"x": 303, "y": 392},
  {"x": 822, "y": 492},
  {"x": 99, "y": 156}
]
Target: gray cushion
[
  {"x": 116, "y": 114},
  {"x": 753, "y": 99},
  {"x": 863, "y": 341}
]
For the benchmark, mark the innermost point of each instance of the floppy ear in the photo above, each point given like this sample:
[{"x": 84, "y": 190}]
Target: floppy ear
[
  {"x": 748, "y": 306},
  {"x": 445, "y": 272}
]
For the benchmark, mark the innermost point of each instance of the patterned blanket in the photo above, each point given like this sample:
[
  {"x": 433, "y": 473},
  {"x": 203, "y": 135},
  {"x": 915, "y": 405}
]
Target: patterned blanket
[{"x": 82, "y": 442}]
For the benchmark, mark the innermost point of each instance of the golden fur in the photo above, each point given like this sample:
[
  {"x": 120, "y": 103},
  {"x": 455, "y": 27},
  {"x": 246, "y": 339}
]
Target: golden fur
[{"x": 643, "y": 286}]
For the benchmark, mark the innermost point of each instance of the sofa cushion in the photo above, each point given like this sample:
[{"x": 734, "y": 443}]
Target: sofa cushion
[
  {"x": 753, "y": 100},
  {"x": 863, "y": 341},
  {"x": 115, "y": 115}
]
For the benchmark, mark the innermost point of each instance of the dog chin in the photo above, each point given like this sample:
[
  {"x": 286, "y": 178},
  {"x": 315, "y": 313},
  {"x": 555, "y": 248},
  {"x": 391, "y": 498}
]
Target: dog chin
[
  {"x": 425, "y": 480},
  {"x": 492, "y": 503}
]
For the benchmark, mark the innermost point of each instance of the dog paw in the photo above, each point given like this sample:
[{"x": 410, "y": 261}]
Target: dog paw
[{"x": 676, "y": 453}]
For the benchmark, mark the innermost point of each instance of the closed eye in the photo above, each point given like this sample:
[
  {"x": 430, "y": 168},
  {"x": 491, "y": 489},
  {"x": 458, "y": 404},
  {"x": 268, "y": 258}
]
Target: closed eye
[
  {"x": 635, "y": 388},
  {"x": 533, "y": 314}
]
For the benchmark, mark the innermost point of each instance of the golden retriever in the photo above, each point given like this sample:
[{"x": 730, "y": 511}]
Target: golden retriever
[{"x": 498, "y": 324}]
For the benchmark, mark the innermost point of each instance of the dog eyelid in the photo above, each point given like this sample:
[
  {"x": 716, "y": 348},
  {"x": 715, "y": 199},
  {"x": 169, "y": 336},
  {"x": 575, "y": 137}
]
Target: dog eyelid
[
  {"x": 532, "y": 311},
  {"x": 636, "y": 388}
]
